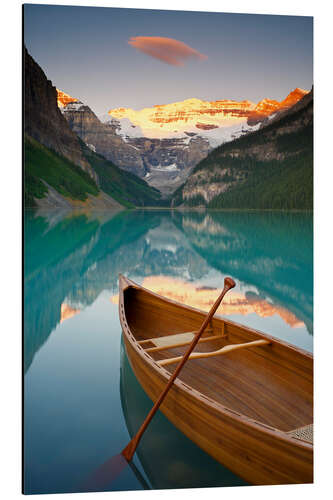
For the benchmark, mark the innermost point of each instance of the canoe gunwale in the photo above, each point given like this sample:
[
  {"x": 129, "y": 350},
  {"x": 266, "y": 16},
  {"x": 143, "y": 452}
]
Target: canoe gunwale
[{"x": 256, "y": 425}]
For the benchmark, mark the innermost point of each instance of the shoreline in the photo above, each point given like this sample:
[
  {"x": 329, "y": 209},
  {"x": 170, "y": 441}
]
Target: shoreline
[{"x": 170, "y": 209}]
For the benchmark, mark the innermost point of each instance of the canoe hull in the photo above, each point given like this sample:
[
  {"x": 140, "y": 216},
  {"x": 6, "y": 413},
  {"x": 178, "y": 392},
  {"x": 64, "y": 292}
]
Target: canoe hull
[{"x": 256, "y": 457}]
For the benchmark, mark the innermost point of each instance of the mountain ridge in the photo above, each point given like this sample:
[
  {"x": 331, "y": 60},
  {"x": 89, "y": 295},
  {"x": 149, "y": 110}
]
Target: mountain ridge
[
  {"x": 59, "y": 169},
  {"x": 184, "y": 115},
  {"x": 269, "y": 168},
  {"x": 165, "y": 162},
  {"x": 42, "y": 118},
  {"x": 102, "y": 138}
]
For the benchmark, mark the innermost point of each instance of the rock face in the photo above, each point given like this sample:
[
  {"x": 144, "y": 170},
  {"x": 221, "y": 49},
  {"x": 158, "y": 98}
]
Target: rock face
[
  {"x": 286, "y": 111},
  {"x": 102, "y": 138},
  {"x": 42, "y": 118},
  {"x": 163, "y": 163},
  {"x": 168, "y": 162},
  {"x": 268, "y": 107}
]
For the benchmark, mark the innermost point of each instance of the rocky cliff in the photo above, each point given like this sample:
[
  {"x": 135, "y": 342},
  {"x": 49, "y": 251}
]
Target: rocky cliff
[
  {"x": 270, "y": 168},
  {"x": 42, "y": 118},
  {"x": 168, "y": 162},
  {"x": 268, "y": 107},
  {"x": 59, "y": 169},
  {"x": 163, "y": 163},
  {"x": 287, "y": 111},
  {"x": 102, "y": 138}
]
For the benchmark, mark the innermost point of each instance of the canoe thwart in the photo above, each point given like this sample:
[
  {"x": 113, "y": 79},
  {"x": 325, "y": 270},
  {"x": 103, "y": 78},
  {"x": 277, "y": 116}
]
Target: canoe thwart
[{"x": 223, "y": 350}]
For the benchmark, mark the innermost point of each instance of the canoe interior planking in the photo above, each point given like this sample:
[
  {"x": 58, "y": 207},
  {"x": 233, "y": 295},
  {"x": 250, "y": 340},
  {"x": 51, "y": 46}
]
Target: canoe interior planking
[{"x": 260, "y": 382}]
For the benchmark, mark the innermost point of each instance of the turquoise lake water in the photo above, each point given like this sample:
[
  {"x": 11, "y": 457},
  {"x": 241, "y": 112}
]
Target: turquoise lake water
[{"x": 82, "y": 402}]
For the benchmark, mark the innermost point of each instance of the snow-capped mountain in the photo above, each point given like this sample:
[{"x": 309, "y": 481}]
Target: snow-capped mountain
[
  {"x": 217, "y": 121},
  {"x": 214, "y": 134},
  {"x": 162, "y": 144}
]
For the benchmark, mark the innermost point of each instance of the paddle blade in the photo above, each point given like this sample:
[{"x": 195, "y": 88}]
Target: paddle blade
[{"x": 106, "y": 473}]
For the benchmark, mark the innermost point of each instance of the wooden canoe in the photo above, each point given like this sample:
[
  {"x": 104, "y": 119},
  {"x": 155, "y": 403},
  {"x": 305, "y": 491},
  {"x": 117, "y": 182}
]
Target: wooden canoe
[{"x": 251, "y": 408}]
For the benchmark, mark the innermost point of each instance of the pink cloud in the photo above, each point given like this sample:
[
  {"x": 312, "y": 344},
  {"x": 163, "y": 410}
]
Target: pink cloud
[{"x": 168, "y": 50}]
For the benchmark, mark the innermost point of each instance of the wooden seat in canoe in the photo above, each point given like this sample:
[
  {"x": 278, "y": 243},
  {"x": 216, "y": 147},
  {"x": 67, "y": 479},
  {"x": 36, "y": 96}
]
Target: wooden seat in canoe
[
  {"x": 219, "y": 352},
  {"x": 172, "y": 341}
]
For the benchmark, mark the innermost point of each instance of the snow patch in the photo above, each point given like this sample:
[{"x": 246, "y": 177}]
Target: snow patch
[
  {"x": 73, "y": 106},
  {"x": 271, "y": 116},
  {"x": 218, "y": 136},
  {"x": 165, "y": 168},
  {"x": 92, "y": 147},
  {"x": 123, "y": 126}
]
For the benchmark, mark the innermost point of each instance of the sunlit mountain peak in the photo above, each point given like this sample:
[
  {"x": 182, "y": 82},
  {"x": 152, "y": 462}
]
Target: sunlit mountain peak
[
  {"x": 193, "y": 115},
  {"x": 63, "y": 99}
]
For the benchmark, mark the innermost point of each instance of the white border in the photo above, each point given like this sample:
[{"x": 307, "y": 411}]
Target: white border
[{"x": 11, "y": 244}]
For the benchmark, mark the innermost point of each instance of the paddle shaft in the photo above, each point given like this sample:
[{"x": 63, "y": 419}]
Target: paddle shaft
[{"x": 129, "y": 451}]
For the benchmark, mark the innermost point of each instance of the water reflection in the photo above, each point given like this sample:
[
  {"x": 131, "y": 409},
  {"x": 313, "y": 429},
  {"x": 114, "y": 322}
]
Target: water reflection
[
  {"x": 72, "y": 262},
  {"x": 53, "y": 263},
  {"x": 70, "y": 258},
  {"x": 203, "y": 297},
  {"x": 269, "y": 250}
]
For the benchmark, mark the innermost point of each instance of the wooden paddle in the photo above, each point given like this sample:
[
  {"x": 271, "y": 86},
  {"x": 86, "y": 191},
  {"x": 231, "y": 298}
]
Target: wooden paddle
[
  {"x": 129, "y": 451},
  {"x": 112, "y": 468}
]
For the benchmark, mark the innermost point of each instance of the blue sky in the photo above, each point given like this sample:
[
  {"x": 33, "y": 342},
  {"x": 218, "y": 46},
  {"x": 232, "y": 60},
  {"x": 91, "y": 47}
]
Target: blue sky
[{"x": 85, "y": 52}]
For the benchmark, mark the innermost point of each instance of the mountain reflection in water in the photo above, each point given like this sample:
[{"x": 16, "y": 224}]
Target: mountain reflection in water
[{"x": 72, "y": 262}]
